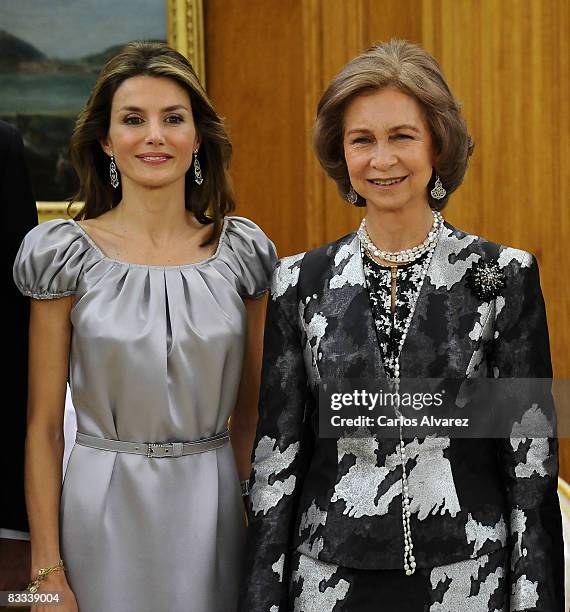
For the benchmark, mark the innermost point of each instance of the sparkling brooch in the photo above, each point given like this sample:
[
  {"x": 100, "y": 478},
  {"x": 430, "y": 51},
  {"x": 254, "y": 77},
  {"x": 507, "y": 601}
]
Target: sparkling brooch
[{"x": 486, "y": 280}]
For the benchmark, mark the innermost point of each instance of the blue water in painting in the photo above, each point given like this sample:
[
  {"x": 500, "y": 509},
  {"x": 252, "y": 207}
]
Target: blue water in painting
[{"x": 44, "y": 93}]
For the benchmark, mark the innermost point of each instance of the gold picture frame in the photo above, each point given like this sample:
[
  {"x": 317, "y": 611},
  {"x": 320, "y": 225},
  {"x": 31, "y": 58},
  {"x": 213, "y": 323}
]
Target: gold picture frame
[
  {"x": 185, "y": 24},
  {"x": 185, "y": 33}
]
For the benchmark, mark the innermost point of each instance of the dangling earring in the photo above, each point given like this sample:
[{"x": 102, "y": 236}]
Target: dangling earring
[
  {"x": 113, "y": 173},
  {"x": 352, "y": 196},
  {"x": 197, "y": 170},
  {"x": 438, "y": 192}
]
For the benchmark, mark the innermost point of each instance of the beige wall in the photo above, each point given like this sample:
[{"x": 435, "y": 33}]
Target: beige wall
[{"x": 508, "y": 62}]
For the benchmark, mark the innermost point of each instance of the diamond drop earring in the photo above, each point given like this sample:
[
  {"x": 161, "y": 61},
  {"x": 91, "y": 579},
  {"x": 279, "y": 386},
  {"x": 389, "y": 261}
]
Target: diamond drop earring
[
  {"x": 113, "y": 173},
  {"x": 197, "y": 170},
  {"x": 438, "y": 192},
  {"x": 352, "y": 196}
]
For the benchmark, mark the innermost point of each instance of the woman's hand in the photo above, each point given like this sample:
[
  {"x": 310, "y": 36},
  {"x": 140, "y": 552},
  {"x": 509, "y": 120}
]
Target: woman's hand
[{"x": 57, "y": 583}]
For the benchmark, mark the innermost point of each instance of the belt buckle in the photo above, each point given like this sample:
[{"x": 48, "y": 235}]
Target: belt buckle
[{"x": 157, "y": 451}]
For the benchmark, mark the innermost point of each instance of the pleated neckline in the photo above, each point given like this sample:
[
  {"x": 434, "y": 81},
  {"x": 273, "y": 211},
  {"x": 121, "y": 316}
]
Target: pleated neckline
[{"x": 209, "y": 259}]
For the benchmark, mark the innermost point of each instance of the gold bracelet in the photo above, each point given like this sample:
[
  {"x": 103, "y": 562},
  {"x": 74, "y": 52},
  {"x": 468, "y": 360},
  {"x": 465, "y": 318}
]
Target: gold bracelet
[{"x": 43, "y": 574}]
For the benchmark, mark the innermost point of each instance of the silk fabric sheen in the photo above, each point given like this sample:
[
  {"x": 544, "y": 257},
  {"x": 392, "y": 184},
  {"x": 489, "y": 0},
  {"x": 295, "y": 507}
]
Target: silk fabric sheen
[{"x": 156, "y": 356}]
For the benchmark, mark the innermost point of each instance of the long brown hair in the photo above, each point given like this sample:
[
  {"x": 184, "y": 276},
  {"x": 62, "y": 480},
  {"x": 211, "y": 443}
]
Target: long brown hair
[{"x": 211, "y": 200}]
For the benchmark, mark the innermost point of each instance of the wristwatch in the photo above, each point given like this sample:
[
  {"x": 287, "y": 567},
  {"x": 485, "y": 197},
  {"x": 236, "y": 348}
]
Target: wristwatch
[{"x": 244, "y": 488}]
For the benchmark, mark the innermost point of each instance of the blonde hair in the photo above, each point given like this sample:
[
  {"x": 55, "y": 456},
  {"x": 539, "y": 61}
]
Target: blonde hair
[
  {"x": 415, "y": 72},
  {"x": 209, "y": 202}
]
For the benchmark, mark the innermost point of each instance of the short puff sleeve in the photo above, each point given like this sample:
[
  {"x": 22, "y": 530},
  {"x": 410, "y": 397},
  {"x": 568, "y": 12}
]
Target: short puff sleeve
[
  {"x": 50, "y": 260},
  {"x": 250, "y": 254}
]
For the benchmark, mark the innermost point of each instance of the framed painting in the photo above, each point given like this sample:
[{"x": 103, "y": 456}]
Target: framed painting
[{"x": 50, "y": 55}]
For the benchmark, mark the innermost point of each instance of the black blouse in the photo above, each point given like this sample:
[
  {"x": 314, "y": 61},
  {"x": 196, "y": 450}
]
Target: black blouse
[{"x": 390, "y": 325}]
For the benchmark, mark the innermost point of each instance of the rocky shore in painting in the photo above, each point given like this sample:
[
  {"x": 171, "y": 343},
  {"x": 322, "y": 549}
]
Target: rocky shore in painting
[
  {"x": 41, "y": 96},
  {"x": 19, "y": 56}
]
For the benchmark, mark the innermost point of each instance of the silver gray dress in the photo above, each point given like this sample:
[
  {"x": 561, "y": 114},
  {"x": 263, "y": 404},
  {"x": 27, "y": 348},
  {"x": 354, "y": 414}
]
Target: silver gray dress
[{"x": 156, "y": 356}]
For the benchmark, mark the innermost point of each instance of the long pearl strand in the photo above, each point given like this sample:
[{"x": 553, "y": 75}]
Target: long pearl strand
[
  {"x": 406, "y": 255},
  {"x": 409, "y": 558}
]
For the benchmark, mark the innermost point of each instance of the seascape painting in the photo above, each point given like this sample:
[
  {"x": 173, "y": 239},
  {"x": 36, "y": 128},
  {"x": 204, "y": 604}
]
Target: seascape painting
[{"x": 50, "y": 55}]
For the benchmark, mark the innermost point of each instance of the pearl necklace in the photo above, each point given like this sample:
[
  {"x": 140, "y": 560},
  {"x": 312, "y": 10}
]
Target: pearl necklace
[
  {"x": 409, "y": 558},
  {"x": 407, "y": 255}
]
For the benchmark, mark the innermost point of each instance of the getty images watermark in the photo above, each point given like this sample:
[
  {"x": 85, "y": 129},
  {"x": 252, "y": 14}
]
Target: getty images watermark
[
  {"x": 396, "y": 401},
  {"x": 462, "y": 408}
]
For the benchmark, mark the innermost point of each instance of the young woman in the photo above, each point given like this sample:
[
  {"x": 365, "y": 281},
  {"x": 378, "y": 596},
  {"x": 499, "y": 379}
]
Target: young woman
[{"x": 145, "y": 301}]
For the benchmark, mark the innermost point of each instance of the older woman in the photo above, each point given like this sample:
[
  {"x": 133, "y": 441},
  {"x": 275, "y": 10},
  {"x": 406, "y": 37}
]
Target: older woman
[
  {"x": 365, "y": 523},
  {"x": 145, "y": 301}
]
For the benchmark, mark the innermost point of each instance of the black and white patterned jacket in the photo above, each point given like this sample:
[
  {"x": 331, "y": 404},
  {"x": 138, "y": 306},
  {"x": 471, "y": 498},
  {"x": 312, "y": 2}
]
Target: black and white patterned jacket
[{"x": 339, "y": 500}]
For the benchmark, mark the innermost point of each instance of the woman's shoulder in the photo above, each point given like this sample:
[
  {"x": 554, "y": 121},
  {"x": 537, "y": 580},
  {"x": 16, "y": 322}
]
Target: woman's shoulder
[
  {"x": 54, "y": 231},
  {"x": 239, "y": 232},
  {"x": 326, "y": 255},
  {"x": 50, "y": 259},
  {"x": 315, "y": 263},
  {"x": 56, "y": 238},
  {"x": 459, "y": 243},
  {"x": 247, "y": 251}
]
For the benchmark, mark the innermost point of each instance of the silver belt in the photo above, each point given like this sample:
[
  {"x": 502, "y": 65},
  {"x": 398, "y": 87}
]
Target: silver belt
[{"x": 154, "y": 449}]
